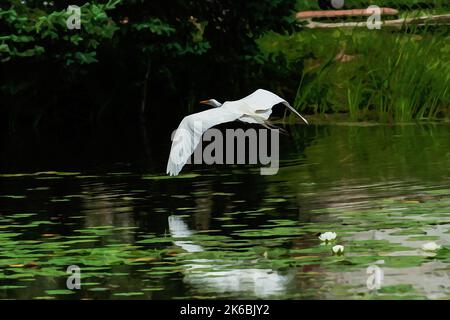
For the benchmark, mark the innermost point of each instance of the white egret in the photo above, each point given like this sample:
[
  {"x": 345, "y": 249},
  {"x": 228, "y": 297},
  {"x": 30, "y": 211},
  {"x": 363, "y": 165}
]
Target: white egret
[
  {"x": 224, "y": 275},
  {"x": 255, "y": 108}
]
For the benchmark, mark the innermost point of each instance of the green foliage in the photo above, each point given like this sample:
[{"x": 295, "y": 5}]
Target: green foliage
[
  {"x": 125, "y": 47},
  {"x": 35, "y": 31},
  {"x": 175, "y": 28},
  {"x": 401, "y": 4},
  {"x": 369, "y": 74}
]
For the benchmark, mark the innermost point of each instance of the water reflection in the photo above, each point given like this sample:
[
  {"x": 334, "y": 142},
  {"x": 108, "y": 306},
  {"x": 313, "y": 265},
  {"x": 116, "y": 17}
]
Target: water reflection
[
  {"x": 228, "y": 232},
  {"x": 431, "y": 280},
  {"x": 260, "y": 283},
  {"x": 104, "y": 205},
  {"x": 179, "y": 229}
]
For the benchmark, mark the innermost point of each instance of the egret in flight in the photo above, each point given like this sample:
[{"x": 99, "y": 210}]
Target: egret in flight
[{"x": 255, "y": 108}]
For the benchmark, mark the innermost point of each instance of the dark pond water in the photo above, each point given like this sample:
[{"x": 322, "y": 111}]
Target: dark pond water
[{"x": 101, "y": 202}]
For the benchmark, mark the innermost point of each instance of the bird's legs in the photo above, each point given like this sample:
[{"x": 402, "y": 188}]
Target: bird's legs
[{"x": 271, "y": 126}]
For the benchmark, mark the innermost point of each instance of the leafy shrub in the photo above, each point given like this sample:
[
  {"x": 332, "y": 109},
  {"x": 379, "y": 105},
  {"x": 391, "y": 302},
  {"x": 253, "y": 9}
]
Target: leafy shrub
[{"x": 128, "y": 51}]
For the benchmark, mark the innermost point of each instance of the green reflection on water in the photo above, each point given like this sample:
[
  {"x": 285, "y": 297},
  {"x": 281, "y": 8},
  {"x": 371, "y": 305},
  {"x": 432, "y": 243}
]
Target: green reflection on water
[{"x": 385, "y": 190}]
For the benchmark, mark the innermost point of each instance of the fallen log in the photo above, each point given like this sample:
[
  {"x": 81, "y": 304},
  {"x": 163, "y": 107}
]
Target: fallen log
[
  {"x": 304, "y": 15},
  {"x": 398, "y": 23}
]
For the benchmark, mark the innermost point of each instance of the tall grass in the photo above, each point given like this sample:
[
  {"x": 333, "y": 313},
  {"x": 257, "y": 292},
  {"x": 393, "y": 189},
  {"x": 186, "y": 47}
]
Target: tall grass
[
  {"x": 370, "y": 74},
  {"x": 402, "y": 4}
]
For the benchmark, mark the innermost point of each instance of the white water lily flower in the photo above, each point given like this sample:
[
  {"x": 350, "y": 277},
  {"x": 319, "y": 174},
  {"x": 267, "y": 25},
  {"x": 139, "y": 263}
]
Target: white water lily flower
[
  {"x": 338, "y": 249},
  {"x": 327, "y": 236},
  {"x": 431, "y": 246}
]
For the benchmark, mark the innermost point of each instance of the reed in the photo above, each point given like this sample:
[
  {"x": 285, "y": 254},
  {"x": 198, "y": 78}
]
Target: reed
[
  {"x": 370, "y": 74},
  {"x": 403, "y": 4}
]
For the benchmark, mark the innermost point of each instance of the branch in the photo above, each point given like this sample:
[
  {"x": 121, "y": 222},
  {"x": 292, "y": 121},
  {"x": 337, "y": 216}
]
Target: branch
[
  {"x": 305, "y": 15},
  {"x": 398, "y": 23}
]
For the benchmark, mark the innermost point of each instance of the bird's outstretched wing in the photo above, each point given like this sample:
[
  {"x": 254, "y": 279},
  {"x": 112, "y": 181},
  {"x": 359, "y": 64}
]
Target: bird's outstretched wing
[
  {"x": 262, "y": 101},
  {"x": 189, "y": 133}
]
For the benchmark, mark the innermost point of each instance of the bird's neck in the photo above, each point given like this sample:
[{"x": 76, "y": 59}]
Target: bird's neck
[{"x": 216, "y": 104}]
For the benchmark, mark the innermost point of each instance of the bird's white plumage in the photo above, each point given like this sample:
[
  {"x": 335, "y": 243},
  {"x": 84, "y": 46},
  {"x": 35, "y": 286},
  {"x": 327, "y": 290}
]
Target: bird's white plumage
[
  {"x": 189, "y": 133},
  {"x": 255, "y": 108},
  {"x": 261, "y": 100}
]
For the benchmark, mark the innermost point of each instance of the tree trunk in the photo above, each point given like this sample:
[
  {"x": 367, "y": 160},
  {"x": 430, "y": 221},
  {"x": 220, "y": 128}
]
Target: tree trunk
[{"x": 144, "y": 92}]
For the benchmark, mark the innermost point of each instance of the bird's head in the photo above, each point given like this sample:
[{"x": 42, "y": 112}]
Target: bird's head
[{"x": 211, "y": 102}]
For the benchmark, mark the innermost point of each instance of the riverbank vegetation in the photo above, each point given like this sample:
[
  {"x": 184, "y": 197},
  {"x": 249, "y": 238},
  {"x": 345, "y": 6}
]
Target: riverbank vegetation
[
  {"x": 130, "y": 58},
  {"x": 406, "y": 6},
  {"x": 371, "y": 75},
  {"x": 133, "y": 59},
  {"x": 386, "y": 75}
]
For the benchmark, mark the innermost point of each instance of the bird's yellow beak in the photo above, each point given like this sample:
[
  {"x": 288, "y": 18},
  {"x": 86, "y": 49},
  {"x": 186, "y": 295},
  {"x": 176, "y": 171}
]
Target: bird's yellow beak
[{"x": 204, "y": 101}]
